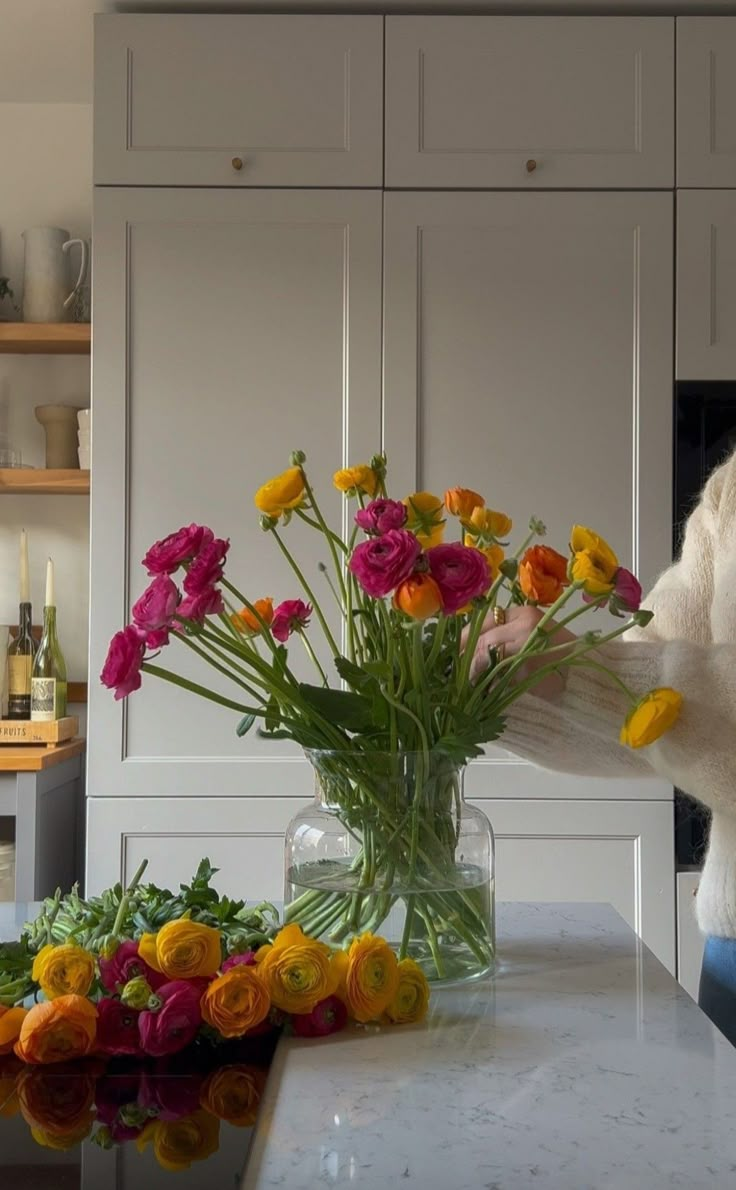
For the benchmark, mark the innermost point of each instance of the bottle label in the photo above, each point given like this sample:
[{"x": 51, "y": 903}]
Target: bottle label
[
  {"x": 19, "y": 676},
  {"x": 43, "y": 700}
]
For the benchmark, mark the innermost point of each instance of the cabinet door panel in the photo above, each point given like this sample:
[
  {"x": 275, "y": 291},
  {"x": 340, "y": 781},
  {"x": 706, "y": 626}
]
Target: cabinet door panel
[
  {"x": 296, "y": 99},
  {"x": 706, "y": 285},
  {"x": 706, "y": 101},
  {"x": 602, "y": 851},
  {"x": 528, "y": 354},
  {"x": 200, "y": 394},
  {"x": 529, "y": 103}
]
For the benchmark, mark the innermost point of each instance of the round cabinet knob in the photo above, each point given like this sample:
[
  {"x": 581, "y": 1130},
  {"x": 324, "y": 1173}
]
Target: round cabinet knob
[
  {"x": 531, "y": 165},
  {"x": 237, "y": 163}
]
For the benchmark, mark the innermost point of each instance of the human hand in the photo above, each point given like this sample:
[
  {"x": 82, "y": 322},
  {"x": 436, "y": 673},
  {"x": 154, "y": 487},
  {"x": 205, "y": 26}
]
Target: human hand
[{"x": 510, "y": 638}]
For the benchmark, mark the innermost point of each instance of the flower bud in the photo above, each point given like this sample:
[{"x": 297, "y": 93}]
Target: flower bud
[
  {"x": 378, "y": 464},
  {"x": 109, "y": 946},
  {"x": 268, "y": 522},
  {"x": 538, "y": 527},
  {"x": 297, "y": 458},
  {"x": 136, "y": 993},
  {"x": 103, "y": 1137}
]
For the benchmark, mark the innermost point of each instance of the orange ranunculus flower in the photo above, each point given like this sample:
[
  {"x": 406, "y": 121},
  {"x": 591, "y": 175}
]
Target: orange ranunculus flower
[
  {"x": 57, "y": 1030},
  {"x": 462, "y": 502},
  {"x": 11, "y": 1020},
  {"x": 178, "y": 1143},
  {"x": 653, "y": 715},
  {"x": 486, "y": 526},
  {"x": 411, "y": 1001},
  {"x": 372, "y": 978},
  {"x": 63, "y": 970},
  {"x": 352, "y": 480},
  {"x": 234, "y": 1093},
  {"x": 236, "y": 1001},
  {"x": 10, "y": 1072},
  {"x": 183, "y": 949},
  {"x": 296, "y": 970},
  {"x": 246, "y": 622},
  {"x": 542, "y": 574},
  {"x": 281, "y": 493},
  {"x": 494, "y": 555},
  {"x": 418, "y": 596},
  {"x": 425, "y": 518},
  {"x": 58, "y": 1107}
]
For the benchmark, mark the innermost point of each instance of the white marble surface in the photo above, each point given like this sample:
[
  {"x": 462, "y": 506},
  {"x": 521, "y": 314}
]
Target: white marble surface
[{"x": 582, "y": 1065}]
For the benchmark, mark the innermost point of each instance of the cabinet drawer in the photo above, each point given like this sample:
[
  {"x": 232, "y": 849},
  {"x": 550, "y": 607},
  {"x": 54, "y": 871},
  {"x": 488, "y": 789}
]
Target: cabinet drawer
[
  {"x": 529, "y": 103},
  {"x": 706, "y": 284},
  {"x": 189, "y": 100},
  {"x": 706, "y": 101}
]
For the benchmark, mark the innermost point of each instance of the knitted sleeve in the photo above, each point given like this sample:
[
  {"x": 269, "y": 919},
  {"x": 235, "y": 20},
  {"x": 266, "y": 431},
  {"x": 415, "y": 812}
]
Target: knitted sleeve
[{"x": 578, "y": 733}]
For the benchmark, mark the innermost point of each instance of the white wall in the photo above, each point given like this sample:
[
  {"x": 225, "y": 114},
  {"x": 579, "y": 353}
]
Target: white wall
[{"x": 45, "y": 178}]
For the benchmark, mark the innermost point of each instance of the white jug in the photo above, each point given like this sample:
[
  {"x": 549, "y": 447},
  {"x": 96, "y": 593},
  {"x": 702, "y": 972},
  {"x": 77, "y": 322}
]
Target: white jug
[{"x": 47, "y": 286}]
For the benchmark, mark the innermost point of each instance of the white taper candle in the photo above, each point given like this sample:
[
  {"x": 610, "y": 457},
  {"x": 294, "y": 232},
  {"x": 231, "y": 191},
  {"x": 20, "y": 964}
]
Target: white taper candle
[
  {"x": 25, "y": 586},
  {"x": 50, "y": 584}
]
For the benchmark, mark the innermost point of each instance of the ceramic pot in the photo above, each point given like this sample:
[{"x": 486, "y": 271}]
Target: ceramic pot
[
  {"x": 60, "y": 425},
  {"x": 47, "y": 286}
]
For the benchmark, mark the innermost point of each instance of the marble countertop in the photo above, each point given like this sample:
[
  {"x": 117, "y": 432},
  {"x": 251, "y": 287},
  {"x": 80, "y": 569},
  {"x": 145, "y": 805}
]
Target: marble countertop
[{"x": 581, "y": 1065}]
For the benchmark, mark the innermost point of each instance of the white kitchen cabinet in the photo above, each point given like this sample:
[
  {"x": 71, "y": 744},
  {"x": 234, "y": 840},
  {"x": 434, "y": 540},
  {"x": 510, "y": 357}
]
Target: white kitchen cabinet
[
  {"x": 618, "y": 852},
  {"x": 521, "y": 102},
  {"x": 230, "y": 329},
  {"x": 242, "y": 837},
  {"x": 706, "y": 101},
  {"x": 706, "y": 285},
  {"x": 690, "y": 941},
  {"x": 247, "y": 100}
]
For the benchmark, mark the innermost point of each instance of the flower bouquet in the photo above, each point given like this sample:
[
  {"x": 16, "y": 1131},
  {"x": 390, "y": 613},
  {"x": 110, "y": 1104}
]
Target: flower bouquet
[{"x": 392, "y": 714}]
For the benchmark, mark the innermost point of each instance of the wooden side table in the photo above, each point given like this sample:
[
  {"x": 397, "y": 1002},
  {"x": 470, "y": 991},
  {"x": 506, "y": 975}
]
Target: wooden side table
[{"x": 43, "y": 789}]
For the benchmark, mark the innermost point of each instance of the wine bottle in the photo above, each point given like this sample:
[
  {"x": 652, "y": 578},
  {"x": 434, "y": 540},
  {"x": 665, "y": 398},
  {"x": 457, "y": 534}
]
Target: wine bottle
[
  {"x": 48, "y": 677},
  {"x": 22, "y": 649}
]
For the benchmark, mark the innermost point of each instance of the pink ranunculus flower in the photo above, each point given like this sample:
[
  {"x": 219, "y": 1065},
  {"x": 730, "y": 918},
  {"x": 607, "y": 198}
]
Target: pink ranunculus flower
[
  {"x": 122, "y": 669},
  {"x": 380, "y": 516},
  {"x": 383, "y": 562},
  {"x": 167, "y": 555},
  {"x": 290, "y": 616},
  {"x": 209, "y": 602},
  {"x": 207, "y": 567},
  {"x": 169, "y": 1098},
  {"x": 246, "y": 959},
  {"x": 156, "y": 605},
  {"x": 627, "y": 590},
  {"x": 461, "y": 573},
  {"x": 329, "y": 1016},
  {"x": 158, "y": 639},
  {"x": 126, "y": 964},
  {"x": 117, "y": 1028},
  {"x": 174, "y": 1025}
]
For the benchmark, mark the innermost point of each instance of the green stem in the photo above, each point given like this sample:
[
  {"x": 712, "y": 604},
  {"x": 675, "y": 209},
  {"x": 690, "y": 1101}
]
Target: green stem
[
  {"x": 309, "y": 593},
  {"x": 311, "y": 653},
  {"x": 125, "y": 899},
  {"x": 202, "y": 691}
]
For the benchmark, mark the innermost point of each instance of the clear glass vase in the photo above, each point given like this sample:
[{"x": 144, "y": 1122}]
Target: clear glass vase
[{"x": 390, "y": 846}]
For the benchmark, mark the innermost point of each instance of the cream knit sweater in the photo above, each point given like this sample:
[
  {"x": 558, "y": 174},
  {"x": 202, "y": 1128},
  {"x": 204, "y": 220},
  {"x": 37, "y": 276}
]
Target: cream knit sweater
[{"x": 690, "y": 645}]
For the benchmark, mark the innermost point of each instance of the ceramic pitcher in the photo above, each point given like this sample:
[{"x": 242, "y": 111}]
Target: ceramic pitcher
[{"x": 47, "y": 287}]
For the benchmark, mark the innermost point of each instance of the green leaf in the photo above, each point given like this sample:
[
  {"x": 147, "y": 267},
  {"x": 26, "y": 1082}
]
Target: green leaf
[
  {"x": 378, "y": 669},
  {"x": 245, "y": 725},
  {"x": 352, "y": 673},
  {"x": 273, "y": 715},
  {"x": 351, "y": 711}
]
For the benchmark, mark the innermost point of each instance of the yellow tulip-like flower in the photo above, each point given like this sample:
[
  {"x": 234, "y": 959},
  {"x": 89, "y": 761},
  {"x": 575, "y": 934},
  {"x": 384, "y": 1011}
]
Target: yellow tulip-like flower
[
  {"x": 462, "y": 502},
  {"x": 183, "y": 949},
  {"x": 236, "y": 1002},
  {"x": 63, "y": 971},
  {"x": 352, "y": 480},
  {"x": 594, "y": 564},
  {"x": 372, "y": 977},
  {"x": 486, "y": 526},
  {"x": 425, "y": 518},
  {"x": 296, "y": 970},
  {"x": 281, "y": 493},
  {"x": 652, "y": 716},
  {"x": 233, "y": 1093},
  {"x": 411, "y": 1001},
  {"x": 494, "y": 555},
  {"x": 178, "y": 1143}
]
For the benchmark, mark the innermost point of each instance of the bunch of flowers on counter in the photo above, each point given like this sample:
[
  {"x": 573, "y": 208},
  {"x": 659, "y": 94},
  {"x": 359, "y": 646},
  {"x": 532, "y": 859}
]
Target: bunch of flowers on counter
[{"x": 219, "y": 972}]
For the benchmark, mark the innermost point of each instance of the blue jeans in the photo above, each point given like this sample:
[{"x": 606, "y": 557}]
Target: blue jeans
[{"x": 717, "y": 996}]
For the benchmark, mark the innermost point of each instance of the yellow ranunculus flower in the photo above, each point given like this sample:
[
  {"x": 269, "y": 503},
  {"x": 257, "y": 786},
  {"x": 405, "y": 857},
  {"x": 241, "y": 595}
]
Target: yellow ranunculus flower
[
  {"x": 356, "y": 479},
  {"x": 280, "y": 493},
  {"x": 594, "y": 563},
  {"x": 425, "y": 518},
  {"x": 494, "y": 555},
  {"x": 236, "y": 1002},
  {"x": 297, "y": 970},
  {"x": 183, "y": 949},
  {"x": 462, "y": 502},
  {"x": 63, "y": 971},
  {"x": 233, "y": 1093},
  {"x": 177, "y": 1143},
  {"x": 11, "y": 1022},
  {"x": 372, "y": 978},
  {"x": 488, "y": 525},
  {"x": 411, "y": 1001},
  {"x": 652, "y": 716},
  {"x": 62, "y": 1143}
]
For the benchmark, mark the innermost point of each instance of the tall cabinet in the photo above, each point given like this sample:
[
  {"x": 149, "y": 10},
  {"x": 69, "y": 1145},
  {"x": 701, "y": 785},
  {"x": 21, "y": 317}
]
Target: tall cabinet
[{"x": 494, "y": 307}]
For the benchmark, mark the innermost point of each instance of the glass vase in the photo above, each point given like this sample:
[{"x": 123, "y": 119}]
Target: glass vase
[{"x": 390, "y": 846}]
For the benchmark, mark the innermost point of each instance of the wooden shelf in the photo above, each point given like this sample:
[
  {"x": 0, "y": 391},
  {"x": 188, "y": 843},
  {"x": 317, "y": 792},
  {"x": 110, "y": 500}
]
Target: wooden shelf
[
  {"x": 32, "y": 758},
  {"x": 45, "y": 338},
  {"x": 26, "y": 482}
]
